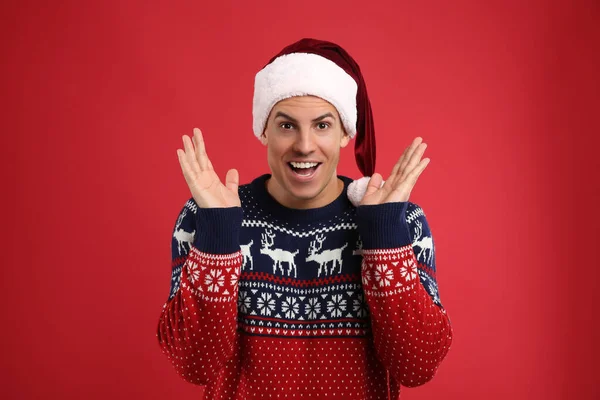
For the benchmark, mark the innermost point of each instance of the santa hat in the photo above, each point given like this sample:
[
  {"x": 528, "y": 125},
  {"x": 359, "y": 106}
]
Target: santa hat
[{"x": 323, "y": 69}]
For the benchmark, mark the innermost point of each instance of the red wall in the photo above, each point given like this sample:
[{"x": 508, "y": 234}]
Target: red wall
[{"x": 97, "y": 96}]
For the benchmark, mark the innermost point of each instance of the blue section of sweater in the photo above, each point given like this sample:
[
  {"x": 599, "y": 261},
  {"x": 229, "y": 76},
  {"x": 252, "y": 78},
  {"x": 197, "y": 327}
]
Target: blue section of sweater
[{"x": 304, "y": 245}]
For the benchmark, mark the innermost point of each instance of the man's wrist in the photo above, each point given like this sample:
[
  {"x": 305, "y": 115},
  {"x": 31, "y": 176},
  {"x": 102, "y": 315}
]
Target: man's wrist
[
  {"x": 218, "y": 230},
  {"x": 383, "y": 226}
]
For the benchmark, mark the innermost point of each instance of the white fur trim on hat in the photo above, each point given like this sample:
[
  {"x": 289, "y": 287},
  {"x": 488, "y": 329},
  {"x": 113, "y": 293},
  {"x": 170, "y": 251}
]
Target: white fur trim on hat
[{"x": 301, "y": 74}]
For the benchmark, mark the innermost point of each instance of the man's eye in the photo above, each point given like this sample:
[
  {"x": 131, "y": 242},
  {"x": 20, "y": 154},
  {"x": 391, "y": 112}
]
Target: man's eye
[
  {"x": 323, "y": 125},
  {"x": 286, "y": 125}
]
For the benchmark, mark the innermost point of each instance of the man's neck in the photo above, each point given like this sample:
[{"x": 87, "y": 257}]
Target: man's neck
[{"x": 325, "y": 197}]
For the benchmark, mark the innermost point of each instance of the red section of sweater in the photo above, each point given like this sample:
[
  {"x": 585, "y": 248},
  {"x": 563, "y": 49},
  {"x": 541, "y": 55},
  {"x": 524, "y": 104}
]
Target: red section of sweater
[{"x": 257, "y": 358}]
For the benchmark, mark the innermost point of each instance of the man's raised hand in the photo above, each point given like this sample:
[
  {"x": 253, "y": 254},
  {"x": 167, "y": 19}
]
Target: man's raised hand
[
  {"x": 401, "y": 181},
  {"x": 205, "y": 185}
]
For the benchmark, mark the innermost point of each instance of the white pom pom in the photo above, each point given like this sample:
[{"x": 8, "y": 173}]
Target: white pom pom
[{"x": 357, "y": 189}]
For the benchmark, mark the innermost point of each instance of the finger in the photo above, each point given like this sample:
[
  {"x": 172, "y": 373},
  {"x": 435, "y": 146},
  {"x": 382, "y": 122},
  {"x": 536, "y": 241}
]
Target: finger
[
  {"x": 374, "y": 184},
  {"x": 412, "y": 177},
  {"x": 185, "y": 168},
  {"x": 205, "y": 160},
  {"x": 413, "y": 162},
  {"x": 415, "y": 143},
  {"x": 201, "y": 155},
  {"x": 232, "y": 180},
  {"x": 403, "y": 190},
  {"x": 190, "y": 158},
  {"x": 396, "y": 168}
]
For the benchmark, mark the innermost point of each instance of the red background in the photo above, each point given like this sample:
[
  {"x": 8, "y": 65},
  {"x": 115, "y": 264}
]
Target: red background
[{"x": 97, "y": 96}]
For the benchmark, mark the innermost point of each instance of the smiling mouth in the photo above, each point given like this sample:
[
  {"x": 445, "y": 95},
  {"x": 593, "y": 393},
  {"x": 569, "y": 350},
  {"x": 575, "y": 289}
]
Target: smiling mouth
[{"x": 304, "y": 169}]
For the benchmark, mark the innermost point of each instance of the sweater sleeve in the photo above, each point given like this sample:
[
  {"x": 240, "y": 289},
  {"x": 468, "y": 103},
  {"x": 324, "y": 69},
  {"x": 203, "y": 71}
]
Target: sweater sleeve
[
  {"x": 411, "y": 329},
  {"x": 197, "y": 328}
]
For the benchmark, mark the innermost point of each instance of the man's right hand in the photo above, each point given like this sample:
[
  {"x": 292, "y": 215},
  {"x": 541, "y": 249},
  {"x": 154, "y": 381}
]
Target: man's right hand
[{"x": 205, "y": 185}]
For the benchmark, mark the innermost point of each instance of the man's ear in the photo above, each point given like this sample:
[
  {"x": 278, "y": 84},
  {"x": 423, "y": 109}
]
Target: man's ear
[
  {"x": 345, "y": 140},
  {"x": 263, "y": 138}
]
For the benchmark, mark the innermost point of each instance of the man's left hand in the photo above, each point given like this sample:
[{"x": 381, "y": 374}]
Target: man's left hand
[{"x": 401, "y": 181}]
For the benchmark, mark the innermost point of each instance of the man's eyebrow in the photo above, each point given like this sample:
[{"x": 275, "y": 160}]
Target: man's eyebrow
[{"x": 284, "y": 115}]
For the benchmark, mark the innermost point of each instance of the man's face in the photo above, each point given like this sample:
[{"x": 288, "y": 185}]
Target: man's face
[{"x": 304, "y": 135}]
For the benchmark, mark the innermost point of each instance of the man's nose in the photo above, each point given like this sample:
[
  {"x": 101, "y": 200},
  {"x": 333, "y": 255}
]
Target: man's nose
[{"x": 305, "y": 142}]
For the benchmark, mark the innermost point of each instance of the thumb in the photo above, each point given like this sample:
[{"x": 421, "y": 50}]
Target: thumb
[
  {"x": 374, "y": 184},
  {"x": 232, "y": 180}
]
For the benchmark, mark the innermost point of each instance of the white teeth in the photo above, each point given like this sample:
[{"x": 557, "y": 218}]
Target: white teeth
[{"x": 303, "y": 164}]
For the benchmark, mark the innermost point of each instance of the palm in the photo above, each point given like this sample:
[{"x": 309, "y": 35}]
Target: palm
[
  {"x": 398, "y": 186},
  {"x": 204, "y": 183}
]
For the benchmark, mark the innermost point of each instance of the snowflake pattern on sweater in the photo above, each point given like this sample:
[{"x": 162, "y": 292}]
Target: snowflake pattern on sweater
[{"x": 335, "y": 288}]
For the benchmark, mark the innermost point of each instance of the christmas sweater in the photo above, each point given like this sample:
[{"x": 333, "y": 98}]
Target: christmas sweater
[{"x": 337, "y": 302}]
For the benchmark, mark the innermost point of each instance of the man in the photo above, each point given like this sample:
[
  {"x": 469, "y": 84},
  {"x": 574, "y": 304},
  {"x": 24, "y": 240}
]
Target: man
[{"x": 285, "y": 287}]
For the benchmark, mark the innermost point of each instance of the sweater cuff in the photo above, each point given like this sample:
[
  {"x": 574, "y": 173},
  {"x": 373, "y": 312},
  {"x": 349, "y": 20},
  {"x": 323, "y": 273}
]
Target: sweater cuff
[
  {"x": 383, "y": 226},
  {"x": 218, "y": 230}
]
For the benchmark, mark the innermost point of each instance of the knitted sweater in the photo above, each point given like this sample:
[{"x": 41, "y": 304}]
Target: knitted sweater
[{"x": 336, "y": 302}]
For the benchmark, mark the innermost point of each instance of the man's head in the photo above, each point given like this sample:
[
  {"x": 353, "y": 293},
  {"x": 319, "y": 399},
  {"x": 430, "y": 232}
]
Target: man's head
[
  {"x": 304, "y": 135},
  {"x": 309, "y": 101}
]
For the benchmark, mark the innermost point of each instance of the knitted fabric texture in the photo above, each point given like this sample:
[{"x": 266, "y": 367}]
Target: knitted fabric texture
[{"x": 337, "y": 302}]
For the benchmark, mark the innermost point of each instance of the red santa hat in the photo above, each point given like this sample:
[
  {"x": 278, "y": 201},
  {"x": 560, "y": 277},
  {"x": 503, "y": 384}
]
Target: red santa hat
[{"x": 323, "y": 69}]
